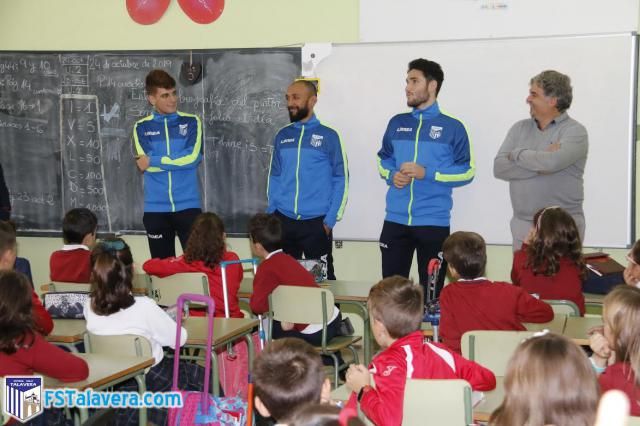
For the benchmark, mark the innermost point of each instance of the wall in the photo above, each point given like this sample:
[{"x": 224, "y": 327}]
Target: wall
[{"x": 100, "y": 24}]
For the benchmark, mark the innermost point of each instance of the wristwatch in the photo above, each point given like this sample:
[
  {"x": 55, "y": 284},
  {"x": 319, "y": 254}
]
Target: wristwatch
[{"x": 365, "y": 388}]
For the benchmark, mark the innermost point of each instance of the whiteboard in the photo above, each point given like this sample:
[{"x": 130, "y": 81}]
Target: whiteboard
[
  {"x": 402, "y": 20},
  {"x": 486, "y": 83}
]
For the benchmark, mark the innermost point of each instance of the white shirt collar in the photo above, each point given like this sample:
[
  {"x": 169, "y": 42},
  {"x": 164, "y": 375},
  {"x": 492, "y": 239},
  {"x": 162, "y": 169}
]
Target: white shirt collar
[
  {"x": 272, "y": 253},
  {"x": 68, "y": 247},
  {"x": 474, "y": 279}
]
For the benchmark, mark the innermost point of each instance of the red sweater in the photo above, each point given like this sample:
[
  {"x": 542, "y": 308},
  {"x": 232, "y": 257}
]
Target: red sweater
[
  {"x": 41, "y": 318},
  {"x": 620, "y": 376},
  {"x": 44, "y": 358},
  {"x": 174, "y": 265},
  {"x": 486, "y": 305},
  {"x": 410, "y": 358},
  {"x": 278, "y": 269},
  {"x": 566, "y": 284},
  {"x": 72, "y": 266}
]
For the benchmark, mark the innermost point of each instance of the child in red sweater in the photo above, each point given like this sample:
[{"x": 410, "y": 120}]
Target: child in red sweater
[
  {"x": 206, "y": 248},
  {"x": 396, "y": 310},
  {"x": 278, "y": 268},
  {"x": 550, "y": 262},
  {"x": 23, "y": 352},
  {"x": 72, "y": 264},
  {"x": 616, "y": 348},
  {"x": 42, "y": 323},
  {"x": 472, "y": 302}
]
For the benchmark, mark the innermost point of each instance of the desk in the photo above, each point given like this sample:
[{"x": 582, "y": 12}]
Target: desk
[
  {"x": 106, "y": 371},
  {"x": 225, "y": 330},
  {"x": 68, "y": 333},
  {"x": 556, "y": 325},
  {"x": 344, "y": 292},
  {"x": 491, "y": 401},
  {"x": 577, "y": 328}
]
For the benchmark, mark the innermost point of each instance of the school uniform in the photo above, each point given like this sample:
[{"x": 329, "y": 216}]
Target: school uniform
[
  {"x": 72, "y": 264},
  {"x": 481, "y": 304},
  {"x": 566, "y": 284},
  {"x": 410, "y": 357},
  {"x": 620, "y": 376}
]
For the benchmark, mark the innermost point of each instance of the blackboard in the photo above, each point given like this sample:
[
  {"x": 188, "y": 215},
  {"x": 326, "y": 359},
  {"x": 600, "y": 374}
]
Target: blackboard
[{"x": 66, "y": 120}]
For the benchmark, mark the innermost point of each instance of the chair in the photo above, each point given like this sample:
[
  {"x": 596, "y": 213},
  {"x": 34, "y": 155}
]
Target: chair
[
  {"x": 442, "y": 402},
  {"x": 565, "y": 307},
  {"x": 141, "y": 282},
  {"x": 492, "y": 348},
  {"x": 310, "y": 305},
  {"x": 65, "y": 286},
  {"x": 165, "y": 291},
  {"x": 122, "y": 345}
]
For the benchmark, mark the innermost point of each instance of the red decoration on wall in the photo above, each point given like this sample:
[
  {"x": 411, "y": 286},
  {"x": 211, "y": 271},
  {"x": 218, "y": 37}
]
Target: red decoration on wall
[
  {"x": 202, "y": 11},
  {"x": 147, "y": 12}
]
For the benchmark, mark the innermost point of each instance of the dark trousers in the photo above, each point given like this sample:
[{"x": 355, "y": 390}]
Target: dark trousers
[
  {"x": 398, "y": 242},
  {"x": 162, "y": 229},
  {"x": 308, "y": 238}
]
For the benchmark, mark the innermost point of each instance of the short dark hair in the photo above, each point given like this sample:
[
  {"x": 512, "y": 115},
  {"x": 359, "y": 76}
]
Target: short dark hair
[
  {"x": 16, "y": 317},
  {"x": 466, "y": 252},
  {"x": 288, "y": 374},
  {"x": 431, "y": 70},
  {"x": 7, "y": 236},
  {"x": 158, "y": 79},
  {"x": 77, "y": 224},
  {"x": 266, "y": 229},
  {"x": 397, "y": 302},
  {"x": 111, "y": 277}
]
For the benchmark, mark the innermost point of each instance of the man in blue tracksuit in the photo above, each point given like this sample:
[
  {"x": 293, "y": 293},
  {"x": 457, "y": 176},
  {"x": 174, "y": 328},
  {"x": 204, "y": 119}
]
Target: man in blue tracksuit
[
  {"x": 308, "y": 179},
  {"x": 169, "y": 148},
  {"x": 424, "y": 154}
]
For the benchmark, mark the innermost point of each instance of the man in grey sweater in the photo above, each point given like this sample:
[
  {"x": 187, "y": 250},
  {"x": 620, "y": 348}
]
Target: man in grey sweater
[{"x": 543, "y": 158}]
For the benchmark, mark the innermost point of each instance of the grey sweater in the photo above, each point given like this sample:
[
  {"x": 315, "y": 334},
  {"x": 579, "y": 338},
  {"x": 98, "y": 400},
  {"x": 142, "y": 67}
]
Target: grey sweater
[{"x": 539, "y": 178}]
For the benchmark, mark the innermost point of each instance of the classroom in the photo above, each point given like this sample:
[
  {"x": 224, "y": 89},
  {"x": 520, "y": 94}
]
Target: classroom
[{"x": 352, "y": 46}]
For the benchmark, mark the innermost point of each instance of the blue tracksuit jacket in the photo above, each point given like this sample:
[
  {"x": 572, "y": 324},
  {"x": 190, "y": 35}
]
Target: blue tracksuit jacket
[
  {"x": 440, "y": 144},
  {"x": 173, "y": 143},
  {"x": 309, "y": 176}
]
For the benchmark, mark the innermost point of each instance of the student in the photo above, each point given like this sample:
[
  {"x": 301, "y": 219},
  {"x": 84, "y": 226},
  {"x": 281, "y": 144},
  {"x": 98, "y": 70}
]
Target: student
[
  {"x": 112, "y": 310},
  {"x": 23, "y": 352},
  {"x": 22, "y": 264},
  {"x": 287, "y": 375},
  {"x": 206, "y": 248},
  {"x": 616, "y": 350},
  {"x": 550, "y": 261},
  {"x": 548, "y": 382},
  {"x": 72, "y": 263},
  {"x": 278, "y": 268},
  {"x": 632, "y": 271},
  {"x": 8, "y": 252},
  {"x": 396, "y": 311},
  {"x": 472, "y": 302}
]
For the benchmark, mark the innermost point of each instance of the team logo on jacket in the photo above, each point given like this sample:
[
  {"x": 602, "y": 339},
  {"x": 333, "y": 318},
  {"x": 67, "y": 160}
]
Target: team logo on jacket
[
  {"x": 389, "y": 370},
  {"x": 182, "y": 128},
  {"x": 316, "y": 140},
  {"x": 435, "y": 132}
]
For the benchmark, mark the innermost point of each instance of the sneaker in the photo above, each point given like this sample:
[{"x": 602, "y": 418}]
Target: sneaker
[{"x": 345, "y": 328}]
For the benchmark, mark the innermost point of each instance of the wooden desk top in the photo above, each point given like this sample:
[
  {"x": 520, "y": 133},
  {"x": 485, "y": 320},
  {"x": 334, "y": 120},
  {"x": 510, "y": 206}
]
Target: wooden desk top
[
  {"x": 577, "y": 327},
  {"x": 343, "y": 290},
  {"x": 103, "y": 369},
  {"x": 491, "y": 401},
  {"x": 67, "y": 331},
  {"x": 556, "y": 325},
  {"x": 594, "y": 298},
  {"x": 224, "y": 329}
]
